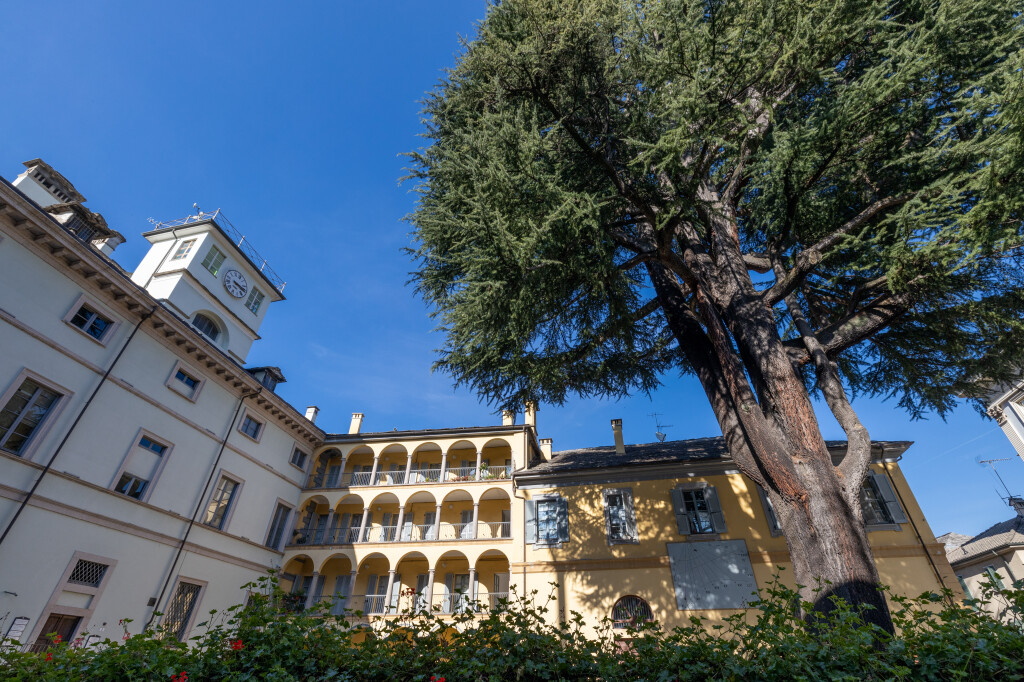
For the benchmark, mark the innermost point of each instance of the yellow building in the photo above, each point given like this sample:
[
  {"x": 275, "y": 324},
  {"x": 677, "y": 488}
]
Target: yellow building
[{"x": 396, "y": 521}]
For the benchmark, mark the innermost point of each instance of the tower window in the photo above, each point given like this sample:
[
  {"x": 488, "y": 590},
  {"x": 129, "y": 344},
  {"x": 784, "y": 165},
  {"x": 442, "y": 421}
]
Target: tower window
[
  {"x": 255, "y": 300},
  {"x": 206, "y": 326},
  {"x": 184, "y": 249},
  {"x": 214, "y": 259}
]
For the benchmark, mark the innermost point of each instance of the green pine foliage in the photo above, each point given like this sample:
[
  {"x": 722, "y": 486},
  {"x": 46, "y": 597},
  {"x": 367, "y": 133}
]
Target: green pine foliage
[
  {"x": 267, "y": 640},
  {"x": 577, "y": 140}
]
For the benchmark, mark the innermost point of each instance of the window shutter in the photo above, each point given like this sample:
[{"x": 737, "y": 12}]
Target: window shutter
[
  {"x": 396, "y": 588},
  {"x": 563, "y": 520},
  {"x": 318, "y": 589},
  {"x": 531, "y": 522},
  {"x": 679, "y": 504},
  {"x": 448, "y": 581},
  {"x": 889, "y": 497},
  {"x": 627, "y": 500},
  {"x": 769, "y": 512},
  {"x": 715, "y": 507},
  {"x": 371, "y": 585},
  {"x": 428, "y": 520},
  {"x": 607, "y": 515},
  {"x": 407, "y": 525}
]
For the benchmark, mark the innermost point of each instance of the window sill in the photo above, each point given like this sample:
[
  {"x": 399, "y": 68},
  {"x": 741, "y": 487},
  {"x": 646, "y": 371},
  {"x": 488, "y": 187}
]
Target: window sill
[
  {"x": 102, "y": 341},
  {"x": 883, "y": 526}
]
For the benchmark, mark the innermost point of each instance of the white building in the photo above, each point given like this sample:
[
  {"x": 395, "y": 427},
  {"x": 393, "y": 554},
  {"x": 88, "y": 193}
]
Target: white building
[
  {"x": 139, "y": 459},
  {"x": 1006, "y": 406}
]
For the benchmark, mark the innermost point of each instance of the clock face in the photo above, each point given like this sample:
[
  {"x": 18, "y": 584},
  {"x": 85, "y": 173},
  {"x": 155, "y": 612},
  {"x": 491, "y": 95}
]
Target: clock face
[{"x": 235, "y": 283}]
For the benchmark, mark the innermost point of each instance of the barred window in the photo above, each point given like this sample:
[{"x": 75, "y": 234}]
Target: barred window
[
  {"x": 631, "y": 612},
  {"x": 179, "y": 611},
  {"x": 87, "y": 573}
]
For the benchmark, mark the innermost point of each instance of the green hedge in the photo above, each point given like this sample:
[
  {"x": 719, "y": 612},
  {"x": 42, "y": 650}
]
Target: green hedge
[{"x": 938, "y": 640}]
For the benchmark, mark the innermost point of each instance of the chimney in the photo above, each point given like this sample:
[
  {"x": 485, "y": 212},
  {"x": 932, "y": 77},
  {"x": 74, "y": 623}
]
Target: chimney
[
  {"x": 531, "y": 415},
  {"x": 357, "y": 421},
  {"x": 107, "y": 246},
  {"x": 545, "y": 448},
  {"x": 311, "y": 412},
  {"x": 508, "y": 417},
  {"x": 1018, "y": 505},
  {"x": 620, "y": 445}
]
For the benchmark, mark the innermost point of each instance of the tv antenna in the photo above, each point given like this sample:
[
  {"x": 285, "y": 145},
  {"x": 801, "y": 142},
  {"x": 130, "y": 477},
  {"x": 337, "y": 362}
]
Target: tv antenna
[
  {"x": 199, "y": 211},
  {"x": 659, "y": 434},
  {"x": 992, "y": 464}
]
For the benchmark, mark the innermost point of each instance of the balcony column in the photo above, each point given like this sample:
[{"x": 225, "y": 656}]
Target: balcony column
[
  {"x": 472, "y": 588},
  {"x": 408, "y": 469},
  {"x": 387, "y": 595},
  {"x": 341, "y": 474},
  {"x": 444, "y": 467},
  {"x": 312, "y": 591},
  {"x": 373, "y": 472},
  {"x": 362, "y": 524},
  {"x": 479, "y": 455},
  {"x": 398, "y": 526},
  {"x": 476, "y": 519},
  {"x": 437, "y": 522},
  {"x": 430, "y": 590}
]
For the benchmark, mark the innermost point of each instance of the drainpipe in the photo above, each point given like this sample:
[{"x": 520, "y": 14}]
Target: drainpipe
[
  {"x": 199, "y": 506},
  {"x": 32, "y": 491}
]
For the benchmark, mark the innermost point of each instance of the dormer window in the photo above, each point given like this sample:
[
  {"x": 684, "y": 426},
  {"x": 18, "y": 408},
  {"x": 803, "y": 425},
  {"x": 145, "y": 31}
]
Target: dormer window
[{"x": 206, "y": 326}]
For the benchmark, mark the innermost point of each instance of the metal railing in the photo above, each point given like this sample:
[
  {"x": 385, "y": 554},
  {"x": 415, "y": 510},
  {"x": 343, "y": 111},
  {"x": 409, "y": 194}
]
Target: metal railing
[
  {"x": 498, "y": 600},
  {"x": 448, "y": 475},
  {"x": 373, "y": 603},
  {"x": 420, "y": 532},
  {"x": 258, "y": 261}
]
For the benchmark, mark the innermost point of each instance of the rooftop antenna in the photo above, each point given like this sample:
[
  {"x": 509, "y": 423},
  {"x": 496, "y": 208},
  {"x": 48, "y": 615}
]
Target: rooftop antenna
[
  {"x": 992, "y": 464},
  {"x": 659, "y": 434},
  {"x": 199, "y": 211}
]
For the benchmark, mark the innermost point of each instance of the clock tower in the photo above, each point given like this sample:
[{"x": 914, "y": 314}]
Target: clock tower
[{"x": 206, "y": 272}]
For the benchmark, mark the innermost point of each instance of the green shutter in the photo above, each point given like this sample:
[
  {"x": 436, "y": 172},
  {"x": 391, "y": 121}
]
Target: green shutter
[
  {"x": 679, "y": 505},
  {"x": 892, "y": 503}
]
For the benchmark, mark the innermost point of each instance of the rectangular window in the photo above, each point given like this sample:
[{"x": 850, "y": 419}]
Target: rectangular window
[
  {"x": 299, "y": 459},
  {"x": 878, "y": 502},
  {"x": 23, "y": 414},
  {"x": 185, "y": 380},
  {"x": 88, "y": 573},
  {"x": 255, "y": 300},
  {"x": 251, "y": 427},
  {"x": 278, "y": 526},
  {"x": 214, "y": 259},
  {"x": 547, "y": 521},
  {"x": 697, "y": 509},
  {"x": 178, "y": 616},
  {"x": 189, "y": 381},
  {"x": 620, "y": 516},
  {"x": 151, "y": 445},
  {"x": 183, "y": 249},
  {"x": 91, "y": 322},
  {"x": 131, "y": 485},
  {"x": 220, "y": 502}
]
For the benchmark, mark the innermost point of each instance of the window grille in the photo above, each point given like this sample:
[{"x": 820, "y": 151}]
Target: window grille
[
  {"x": 630, "y": 612},
  {"x": 179, "y": 611},
  {"x": 88, "y": 573}
]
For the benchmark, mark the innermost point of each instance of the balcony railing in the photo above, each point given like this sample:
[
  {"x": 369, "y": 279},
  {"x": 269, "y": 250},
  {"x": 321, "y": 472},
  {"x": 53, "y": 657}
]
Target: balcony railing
[
  {"x": 376, "y": 604},
  {"x": 415, "y": 477},
  {"x": 420, "y": 532}
]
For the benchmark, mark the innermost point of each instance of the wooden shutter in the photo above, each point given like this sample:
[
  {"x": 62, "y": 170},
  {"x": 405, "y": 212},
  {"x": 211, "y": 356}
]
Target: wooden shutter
[
  {"x": 318, "y": 588},
  {"x": 892, "y": 503},
  {"x": 715, "y": 509},
  {"x": 396, "y": 589},
  {"x": 769, "y": 512},
  {"x": 627, "y": 501},
  {"x": 531, "y": 522},
  {"x": 429, "y": 519},
  {"x": 563, "y": 519},
  {"x": 679, "y": 505},
  {"x": 407, "y": 525}
]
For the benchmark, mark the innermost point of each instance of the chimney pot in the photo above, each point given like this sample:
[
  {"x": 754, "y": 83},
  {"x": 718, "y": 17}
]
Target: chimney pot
[
  {"x": 311, "y": 412},
  {"x": 357, "y": 422},
  {"x": 1018, "y": 505},
  {"x": 531, "y": 414},
  {"x": 508, "y": 417},
  {"x": 620, "y": 445}
]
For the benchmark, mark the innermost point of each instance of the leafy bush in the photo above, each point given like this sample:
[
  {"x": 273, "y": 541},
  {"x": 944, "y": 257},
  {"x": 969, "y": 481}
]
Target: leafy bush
[{"x": 938, "y": 640}]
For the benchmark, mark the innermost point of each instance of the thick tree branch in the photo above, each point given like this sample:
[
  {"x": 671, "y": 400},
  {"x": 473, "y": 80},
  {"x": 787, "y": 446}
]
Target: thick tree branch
[{"x": 806, "y": 260}]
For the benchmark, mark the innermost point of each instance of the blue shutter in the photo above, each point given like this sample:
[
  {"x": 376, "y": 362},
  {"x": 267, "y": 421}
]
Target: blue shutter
[
  {"x": 531, "y": 522},
  {"x": 563, "y": 519},
  {"x": 892, "y": 503}
]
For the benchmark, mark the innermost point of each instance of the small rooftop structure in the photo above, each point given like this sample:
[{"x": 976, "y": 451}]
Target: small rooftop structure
[{"x": 237, "y": 238}]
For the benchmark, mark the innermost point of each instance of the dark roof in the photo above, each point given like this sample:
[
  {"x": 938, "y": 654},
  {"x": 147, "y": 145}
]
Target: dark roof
[
  {"x": 1003, "y": 534},
  {"x": 645, "y": 454}
]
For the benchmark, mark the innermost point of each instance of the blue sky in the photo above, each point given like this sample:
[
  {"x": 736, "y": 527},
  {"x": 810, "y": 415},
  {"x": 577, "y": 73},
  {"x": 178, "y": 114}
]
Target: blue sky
[{"x": 292, "y": 118}]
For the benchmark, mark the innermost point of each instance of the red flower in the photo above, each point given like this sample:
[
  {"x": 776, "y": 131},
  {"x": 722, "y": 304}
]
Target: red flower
[
  {"x": 49, "y": 656},
  {"x": 237, "y": 645},
  {"x": 436, "y": 679},
  {"x": 180, "y": 677},
  {"x": 57, "y": 639}
]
